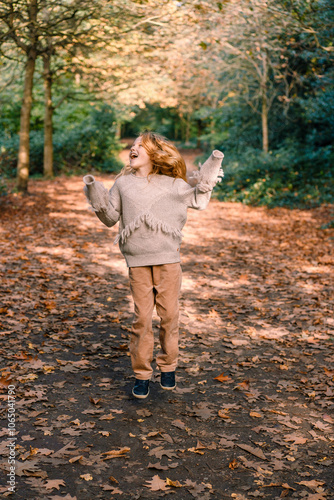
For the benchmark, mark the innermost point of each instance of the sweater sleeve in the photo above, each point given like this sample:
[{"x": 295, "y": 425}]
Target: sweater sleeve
[
  {"x": 210, "y": 172},
  {"x": 106, "y": 204}
]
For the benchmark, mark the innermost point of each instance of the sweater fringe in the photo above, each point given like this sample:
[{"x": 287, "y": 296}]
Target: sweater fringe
[{"x": 152, "y": 223}]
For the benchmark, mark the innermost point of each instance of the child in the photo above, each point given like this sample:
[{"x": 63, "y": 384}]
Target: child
[{"x": 150, "y": 198}]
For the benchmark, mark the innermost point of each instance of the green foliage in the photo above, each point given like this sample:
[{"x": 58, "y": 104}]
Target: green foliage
[
  {"x": 232, "y": 127},
  {"x": 225, "y": 114},
  {"x": 286, "y": 177},
  {"x": 87, "y": 142},
  {"x": 10, "y": 115},
  {"x": 9, "y": 145},
  {"x": 164, "y": 121},
  {"x": 3, "y": 188}
]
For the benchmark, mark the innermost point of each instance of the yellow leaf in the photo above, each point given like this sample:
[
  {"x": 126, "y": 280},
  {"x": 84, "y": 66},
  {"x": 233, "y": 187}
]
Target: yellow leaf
[
  {"x": 86, "y": 477},
  {"x": 75, "y": 422},
  {"x": 222, "y": 378},
  {"x": 194, "y": 450},
  {"x": 175, "y": 484},
  {"x": 224, "y": 414},
  {"x": 29, "y": 376},
  {"x": 75, "y": 459},
  {"x": 255, "y": 414},
  {"x": 48, "y": 369},
  {"x": 115, "y": 453}
]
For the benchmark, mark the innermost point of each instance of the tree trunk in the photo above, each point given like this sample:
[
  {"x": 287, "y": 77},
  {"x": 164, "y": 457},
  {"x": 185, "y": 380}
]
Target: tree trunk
[
  {"x": 187, "y": 132},
  {"x": 31, "y": 52},
  {"x": 48, "y": 111},
  {"x": 182, "y": 127},
  {"x": 118, "y": 133},
  {"x": 264, "y": 112},
  {"x": 23, "y": 156},
  {"x": 265, "y": 139},
  {"x": 199, "y": 133}
]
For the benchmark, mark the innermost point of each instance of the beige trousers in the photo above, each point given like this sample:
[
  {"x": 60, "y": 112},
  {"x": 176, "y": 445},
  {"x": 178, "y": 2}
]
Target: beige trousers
[{"x": 155, "y": 286}]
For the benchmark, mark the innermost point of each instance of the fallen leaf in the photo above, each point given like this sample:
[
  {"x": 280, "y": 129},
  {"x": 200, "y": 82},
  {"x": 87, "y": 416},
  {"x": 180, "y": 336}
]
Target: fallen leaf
[
  {"x": 115, "y": 453},
  {"x": 243, "y": 385},
  {"x": 159, "y": 452},
  {"x": 157, "y": 484},
  {"x": 254, "y": 451},
  {"x": 67, "y": 497},
  {"x": 313, "y": 484},
  {"x": 179, "y": 424},
  {"x": 95, "y": 401},
  {"x": 224, "y": 414},
  {"x": 295, "y": 438},
  {"x": 175, "y": 484},
  {"x": 86, "y": 477},
  {"x": 234, "y": 464},
  {"x": 144, "y": 413},
  {"x": 255, "y": 414},
  {"x": 322, "y": 427},
  {"x": 54, "y": 484},
  {"x": 75, "y": 459},
  {"x": 222, "y": 378}
]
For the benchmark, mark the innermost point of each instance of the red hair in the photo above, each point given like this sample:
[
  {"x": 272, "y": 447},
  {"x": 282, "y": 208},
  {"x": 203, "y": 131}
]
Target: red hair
[{"x": 164, "y": 156}]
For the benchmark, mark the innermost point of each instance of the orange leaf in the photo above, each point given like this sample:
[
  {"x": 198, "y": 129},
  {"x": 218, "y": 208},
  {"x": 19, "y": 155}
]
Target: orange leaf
[
  {"x": 255, "y": 414},
  {"x": 222, "y": 378},
  {"x": 175, "y": 484},
  {"x": 233, "y": 465},
  {"x": 244, "y": 385}
]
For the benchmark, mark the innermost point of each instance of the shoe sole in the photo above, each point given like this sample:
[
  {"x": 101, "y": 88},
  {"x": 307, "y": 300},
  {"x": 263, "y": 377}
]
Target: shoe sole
[
  {"x": 167, "y": 388},
  {"x": 140, "y": 396}
]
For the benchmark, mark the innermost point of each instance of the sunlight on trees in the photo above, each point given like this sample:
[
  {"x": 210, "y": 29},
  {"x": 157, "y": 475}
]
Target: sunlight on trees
[{"x": 253, "y": 77}]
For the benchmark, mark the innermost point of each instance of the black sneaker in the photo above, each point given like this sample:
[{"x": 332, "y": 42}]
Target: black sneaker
[
  {"x": 141, "y": 390},
  {"x": 168, "y": 380}
]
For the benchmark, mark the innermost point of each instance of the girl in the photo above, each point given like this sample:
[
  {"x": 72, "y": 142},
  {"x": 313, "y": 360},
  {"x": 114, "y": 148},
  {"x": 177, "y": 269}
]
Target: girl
[{"x": 150, "y": 199}]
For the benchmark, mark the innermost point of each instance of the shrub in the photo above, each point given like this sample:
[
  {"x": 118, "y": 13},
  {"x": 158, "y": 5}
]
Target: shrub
[
  {"x": 287, "y": 176},
  {"x": 90, "y": 143}
]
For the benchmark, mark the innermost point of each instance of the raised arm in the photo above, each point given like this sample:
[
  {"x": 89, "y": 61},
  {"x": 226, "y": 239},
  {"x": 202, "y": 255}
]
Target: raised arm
[
  {"x": 198, "y": 197},
  {"x": 106, "y": 204}
]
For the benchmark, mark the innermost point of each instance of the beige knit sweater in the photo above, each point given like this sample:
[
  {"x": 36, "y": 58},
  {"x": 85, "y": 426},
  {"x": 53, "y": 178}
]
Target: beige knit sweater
[{"x": 152, "y": 211}]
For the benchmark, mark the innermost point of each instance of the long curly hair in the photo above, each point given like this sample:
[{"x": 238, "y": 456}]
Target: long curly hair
[{"x": 165, "y": 158}]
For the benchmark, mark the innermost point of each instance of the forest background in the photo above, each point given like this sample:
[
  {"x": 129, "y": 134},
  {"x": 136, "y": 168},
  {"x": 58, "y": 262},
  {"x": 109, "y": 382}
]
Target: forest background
[{"x": 253, "y": 78}]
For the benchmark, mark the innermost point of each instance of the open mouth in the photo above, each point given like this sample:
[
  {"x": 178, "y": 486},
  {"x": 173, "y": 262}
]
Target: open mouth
[{"x": 133, "y": 155}]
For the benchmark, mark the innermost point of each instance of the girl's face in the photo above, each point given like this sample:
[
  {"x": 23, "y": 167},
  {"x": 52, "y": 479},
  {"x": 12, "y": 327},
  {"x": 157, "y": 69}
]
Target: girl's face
[{"x": 139, "y": 159}]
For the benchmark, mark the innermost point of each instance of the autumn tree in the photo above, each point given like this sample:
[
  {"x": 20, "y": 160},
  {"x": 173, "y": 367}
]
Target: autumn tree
[
  {"x": 19, "y": 25},
  {"x": 41, "y": 28},
  {"x": 66, "y": 34},
  {"x": 251, "y": 38}
]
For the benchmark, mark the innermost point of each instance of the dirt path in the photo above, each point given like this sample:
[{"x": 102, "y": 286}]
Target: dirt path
[{"x": 252, "y": 416}]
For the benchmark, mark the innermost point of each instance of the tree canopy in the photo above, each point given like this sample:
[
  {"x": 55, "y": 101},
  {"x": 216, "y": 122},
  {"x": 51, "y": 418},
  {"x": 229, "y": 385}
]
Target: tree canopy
[{"x": 251, "y": 77}]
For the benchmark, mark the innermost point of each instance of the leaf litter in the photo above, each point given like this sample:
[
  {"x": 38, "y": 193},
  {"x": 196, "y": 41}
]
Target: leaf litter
[{"x": 252, "y": 415}]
